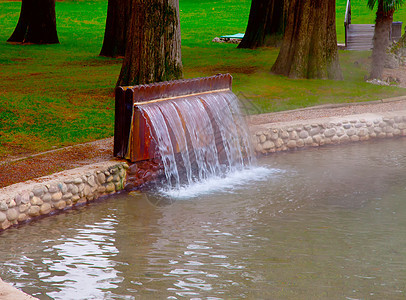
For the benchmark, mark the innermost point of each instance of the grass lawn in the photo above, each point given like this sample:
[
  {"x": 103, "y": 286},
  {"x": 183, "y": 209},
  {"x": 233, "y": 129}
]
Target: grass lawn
[{"x": 58, "y": 95}]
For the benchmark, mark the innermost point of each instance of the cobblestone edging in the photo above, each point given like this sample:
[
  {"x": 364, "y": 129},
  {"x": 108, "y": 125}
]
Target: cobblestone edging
[
  {"x": 270, "y": 138},
  {"x": 22, "y": 202}
]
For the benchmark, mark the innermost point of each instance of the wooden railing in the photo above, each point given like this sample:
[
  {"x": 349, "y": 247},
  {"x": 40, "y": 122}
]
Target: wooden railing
[{"x": 347, "y": 19}]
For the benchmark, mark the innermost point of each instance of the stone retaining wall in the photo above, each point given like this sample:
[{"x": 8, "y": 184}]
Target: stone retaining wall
[
  {"x": 276, "y": 137},
  {"x": 22, "y": 202}
]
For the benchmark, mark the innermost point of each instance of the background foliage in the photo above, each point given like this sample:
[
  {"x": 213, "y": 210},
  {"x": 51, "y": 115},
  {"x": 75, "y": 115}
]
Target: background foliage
[{"x": 58, "y": 95}]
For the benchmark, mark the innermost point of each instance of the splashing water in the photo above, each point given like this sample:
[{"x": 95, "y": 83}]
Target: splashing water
[{"x": 200, "y": 138}]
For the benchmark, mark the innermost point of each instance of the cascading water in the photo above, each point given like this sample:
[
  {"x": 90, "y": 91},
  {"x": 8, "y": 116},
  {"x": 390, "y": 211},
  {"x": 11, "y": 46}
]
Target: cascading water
[{"x": 198, "y": 138}]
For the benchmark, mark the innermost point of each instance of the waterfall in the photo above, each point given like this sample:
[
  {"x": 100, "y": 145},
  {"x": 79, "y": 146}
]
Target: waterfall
[{"x": 199, "y": 137}]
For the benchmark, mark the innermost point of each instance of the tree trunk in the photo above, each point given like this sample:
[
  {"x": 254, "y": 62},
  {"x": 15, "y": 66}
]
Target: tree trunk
[
  {"x": 117, "y": 24},
  {"x": 37, "y": 23},
  {"x": 266, "y": 23},
  {"x": 153, "y": 49},
  {"x": 381, "y": 41},
  {"x": 309, "y": 46}
]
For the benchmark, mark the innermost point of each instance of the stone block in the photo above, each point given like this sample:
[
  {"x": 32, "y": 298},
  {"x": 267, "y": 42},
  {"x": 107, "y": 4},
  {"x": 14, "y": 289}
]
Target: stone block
[
  {"x": 17, "y": 199},
  {"x": 314, "y": 131},
  {"x": 258, "y": 147},
  {"x": 291, "y": 144},
  {"x": 344, "y": 139},
  {"x": 335, "y": 140},
  {"x": 317, "y": 139},
  {"x": 39, "y": 191},
  {"x": 67, "y": 196},
  {"x": 284, "y": 134},
  {"x": 87, "y": 191},
  {"x": 45, "y": 208},
  {"x": 303, "y": 134},
  {"x": 354, "y": 138},
  {"x": 110, "y": 187},
  {"x": 330, "y": 132},
  {"x": 293, "y": 135},
  {"x": 102, "y": 178},
  {"x": 4, "y": 225},
  {"x": 278, "y": 143},
  {"x": 47, "y": 197},
  {"x": 308, "y": 141},
  {"x": 11, "y": 203},
  {"x": 22, "y": 217},
  {"x": 60, "y": 205},
  {"x": 3, "y": 206},
  {"x": 24, "y": 207},
  {"x": 36, "y": 201},
  {"x": 340, "y": 132},
  {"x": 91, "y": 181},
  {"x": 268, "y": 145},
  {"x": 300, "y": 143},
  {"x": 53, "y": 188},
  {"x": 363, "y": 132},
  {"x": 3, "y": 217},
  {"x": 34, "y": 211},
  {"x": 56, "y": 196}
]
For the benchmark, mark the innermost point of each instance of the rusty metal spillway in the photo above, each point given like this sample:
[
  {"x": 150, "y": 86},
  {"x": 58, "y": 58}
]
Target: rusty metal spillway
[{"x": 134, "y": 137}]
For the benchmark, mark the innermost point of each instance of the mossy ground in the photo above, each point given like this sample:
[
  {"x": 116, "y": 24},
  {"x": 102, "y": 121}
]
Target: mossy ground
[{"x": 58, "y": 95}]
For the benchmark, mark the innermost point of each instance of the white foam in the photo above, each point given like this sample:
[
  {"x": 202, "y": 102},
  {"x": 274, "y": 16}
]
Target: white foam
[{"x": 228, "y": 183}]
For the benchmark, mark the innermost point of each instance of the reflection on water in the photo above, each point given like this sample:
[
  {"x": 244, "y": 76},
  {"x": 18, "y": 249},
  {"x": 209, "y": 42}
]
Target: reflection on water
[{"x": 321, "y": 224}]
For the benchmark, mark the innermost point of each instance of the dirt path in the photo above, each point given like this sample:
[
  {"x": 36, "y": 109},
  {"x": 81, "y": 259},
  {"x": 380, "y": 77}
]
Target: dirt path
[{"x": 42, "y": 164}]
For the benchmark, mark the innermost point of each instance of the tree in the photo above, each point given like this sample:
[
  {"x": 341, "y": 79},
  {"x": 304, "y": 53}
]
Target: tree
[
  {"x": 37, "y": 23},
  {"x": 153, "y": 50},
  {"x": 266, "y": 23},
  {"x": 309, "y": 46},
  {"x": 383, "y": 23},
  {"x": 117, "y": 24}
]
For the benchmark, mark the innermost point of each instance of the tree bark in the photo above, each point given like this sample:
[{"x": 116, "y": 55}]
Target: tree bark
[
  {"x": 266, "y": 24},
  {"x": 309, "y": 46},
  {"x": 37, "y": 23},
  {"x": 381, "y": 40},
  {"x": 117, "y": 24},
  {"x": 153, "y": 49}
]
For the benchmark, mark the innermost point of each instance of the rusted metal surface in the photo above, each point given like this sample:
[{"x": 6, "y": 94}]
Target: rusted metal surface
[{"x": 133, "y": 136}]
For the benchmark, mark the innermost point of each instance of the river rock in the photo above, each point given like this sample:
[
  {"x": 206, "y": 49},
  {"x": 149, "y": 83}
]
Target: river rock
[
  {"x": 12, "y": 215},
  {"x": 110, "y": 187},
  {"x": 45, "y": 208},
  {"x": 3, "y": 217},
  {"x": 57, "y": 196},
  {"x": 39, "y": 191},
  {"x": 60, "y": 204},
  {"x": 22, "y": 217},
  {"x": 102, "y": 178},
  {"x": 36, "y": 201},
  {"x": 34, "y": 211}
]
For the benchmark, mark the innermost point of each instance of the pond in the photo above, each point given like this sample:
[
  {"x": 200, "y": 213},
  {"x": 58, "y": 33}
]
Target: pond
[{"x": 326, "y": 223}]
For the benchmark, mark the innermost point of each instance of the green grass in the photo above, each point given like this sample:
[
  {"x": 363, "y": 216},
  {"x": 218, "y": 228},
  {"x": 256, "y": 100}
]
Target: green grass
[{"x": 58, "y": 95}]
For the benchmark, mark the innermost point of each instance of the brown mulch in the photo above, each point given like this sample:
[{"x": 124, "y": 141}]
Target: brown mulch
[{"x": 42, "y": 164}]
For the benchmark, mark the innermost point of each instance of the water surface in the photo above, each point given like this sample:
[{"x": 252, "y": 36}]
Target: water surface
[{"x": 328, "y": 223}]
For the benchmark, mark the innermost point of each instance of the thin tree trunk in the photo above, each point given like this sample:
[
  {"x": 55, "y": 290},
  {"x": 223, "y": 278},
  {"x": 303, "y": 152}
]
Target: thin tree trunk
[
  {"x": 381, "y": 40},
  {"x": 153, "y": 51},
  {"x": 309, "y": 46},
  {"x": 117, "y": 24},
  {"x": 266, "y": 24},
  {"x": 37, "y": 23}
]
